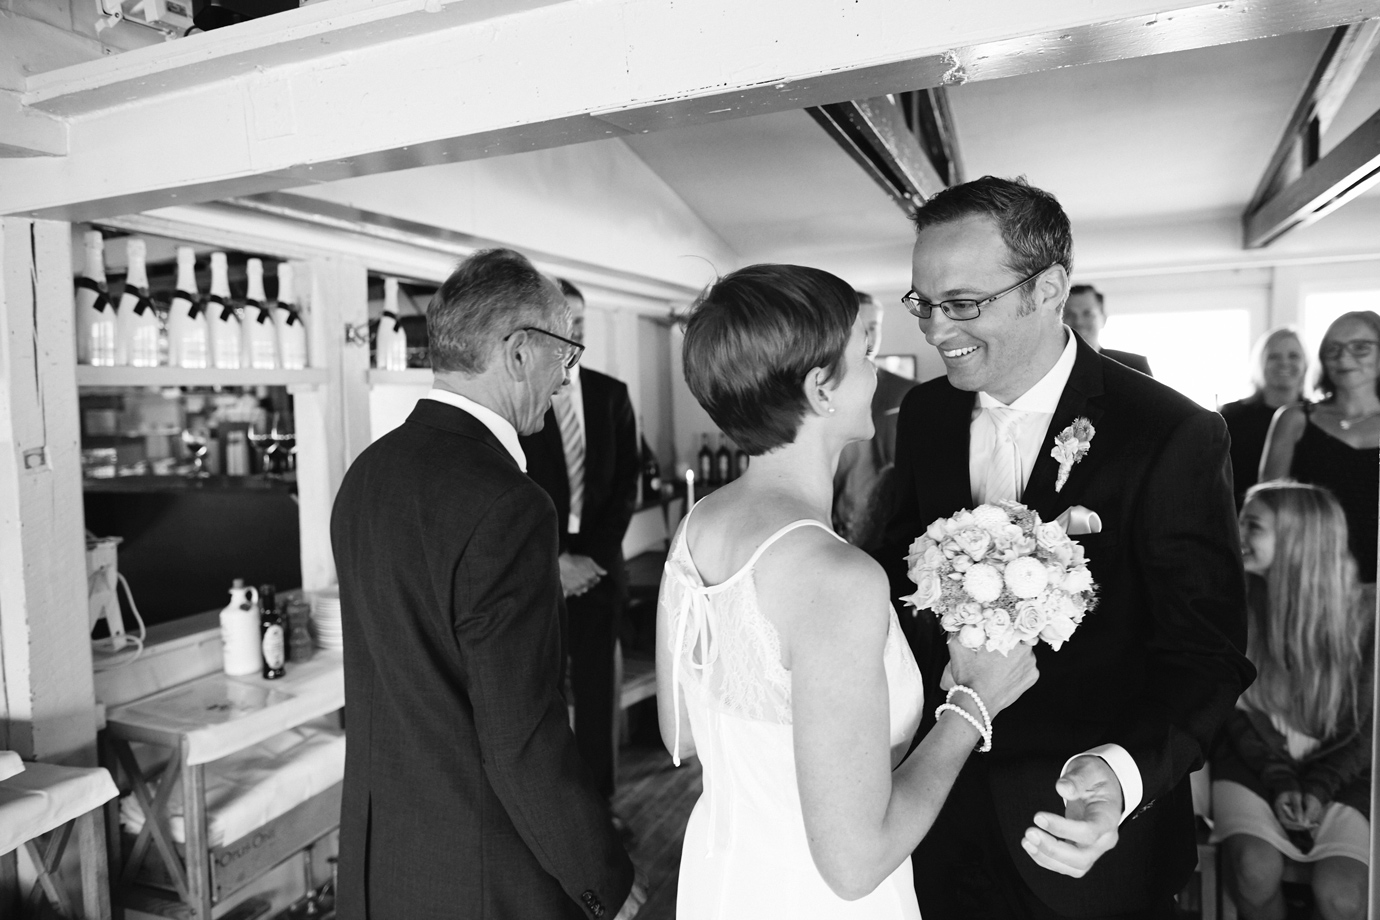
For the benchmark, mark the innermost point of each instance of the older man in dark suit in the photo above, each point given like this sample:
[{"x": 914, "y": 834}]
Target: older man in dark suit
[
  {"x": 464, "y": 793},
  {"x": 1082, "y": 808},
  {"x": 585, "y": 457}
]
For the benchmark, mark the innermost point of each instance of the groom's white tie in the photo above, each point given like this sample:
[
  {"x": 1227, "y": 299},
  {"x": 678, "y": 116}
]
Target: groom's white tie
[{"x": 1005, "y": 479}]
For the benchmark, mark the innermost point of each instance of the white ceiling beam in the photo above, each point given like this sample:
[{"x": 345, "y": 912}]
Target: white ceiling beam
[
  {"x": 1349, "y": 169},
  {"x": 27, "y": 132},
  {"x": 352, "y": 87}
]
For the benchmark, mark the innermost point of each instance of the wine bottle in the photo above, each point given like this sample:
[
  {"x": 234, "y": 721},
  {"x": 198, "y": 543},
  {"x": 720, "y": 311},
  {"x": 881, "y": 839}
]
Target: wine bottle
[
  {"x": 260, "y": 335},
  {"x": 723, "y": 461},
  {"x": 740, "y": 462},
  {"x": 292, "y": 334},
  {"x": 390, "y": 344},
  {"x": 139, "y": 335},
  {"x": 97, "y": 320},
  {"x": 223, "y": 317},
  {"x": 188, "y": 336},
  {"x": 704, "y": 461},
  {"x": 273, "y": 631},
  {"x": 651, "y": 475}
]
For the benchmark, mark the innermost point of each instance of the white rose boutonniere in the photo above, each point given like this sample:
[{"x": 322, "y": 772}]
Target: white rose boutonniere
[{"x": 1071, "y": 446}]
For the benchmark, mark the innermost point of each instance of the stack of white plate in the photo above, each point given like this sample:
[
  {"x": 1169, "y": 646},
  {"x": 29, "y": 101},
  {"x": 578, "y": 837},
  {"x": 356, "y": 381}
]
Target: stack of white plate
[{"x": 325, "y": 619}]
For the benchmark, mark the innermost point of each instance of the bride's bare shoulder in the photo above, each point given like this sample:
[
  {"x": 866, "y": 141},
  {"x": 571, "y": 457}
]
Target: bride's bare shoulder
[{"x": 817, "y": 586}]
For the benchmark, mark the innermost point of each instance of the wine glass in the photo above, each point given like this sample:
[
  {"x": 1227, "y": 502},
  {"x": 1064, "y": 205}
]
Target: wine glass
[
  {"x": 196, "y": 440},
  {"x": 284, "y": 437},
  {"x": 261, "y": 439}
]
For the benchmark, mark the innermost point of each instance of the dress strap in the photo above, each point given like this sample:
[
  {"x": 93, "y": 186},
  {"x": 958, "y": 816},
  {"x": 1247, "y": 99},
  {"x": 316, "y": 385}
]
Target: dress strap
[{"x": 793, "y": 525}]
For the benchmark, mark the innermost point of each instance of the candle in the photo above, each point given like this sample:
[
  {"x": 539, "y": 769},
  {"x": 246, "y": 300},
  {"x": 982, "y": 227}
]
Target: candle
[{"x": 689, "y": 489}]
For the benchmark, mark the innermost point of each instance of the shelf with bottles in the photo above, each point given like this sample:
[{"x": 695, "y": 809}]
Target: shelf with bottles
[
  {"x": 154, "y": 327},
  {"x": 174, "y": 433},
  {"x": 397, "y": 331}
]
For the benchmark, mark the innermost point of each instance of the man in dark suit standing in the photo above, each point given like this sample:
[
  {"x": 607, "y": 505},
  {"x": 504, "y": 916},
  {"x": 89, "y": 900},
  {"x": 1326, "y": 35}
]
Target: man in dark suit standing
[
  {"x": 1086, "y": 314},
  {"x": 585, "y": 457},
  {"x": 1082, "y": 809},
  {"x": 464, "y": 793},
  {"x": 863, "y": 487}
]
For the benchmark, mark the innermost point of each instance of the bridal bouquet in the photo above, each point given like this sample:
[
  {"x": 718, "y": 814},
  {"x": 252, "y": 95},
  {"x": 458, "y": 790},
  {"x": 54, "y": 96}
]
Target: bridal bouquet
[{"x": 998, "y": 575}]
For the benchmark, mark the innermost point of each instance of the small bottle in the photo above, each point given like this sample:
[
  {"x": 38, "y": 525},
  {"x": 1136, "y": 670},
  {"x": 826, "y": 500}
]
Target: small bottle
[
  {"x": 292, "y": 335},
  {"x": 236, "y": 452},
  {"x": 704, "y": 462},
  {"x": 97, "y": 320},
  {"x": 299, "y": 633},
  {"x": 274, "y": 635},
  {"x": 239, "y": 631},
  {"x": 141, "y": 328},
  {"x": 740, "y": 462},
  {"x": 260, "y": 334},
  {"x": 188, "y": 336},
  {"x": 723, "y": 461},
  {"x": 390, "y": 344},
  {"x": 222, "y": 317},
  {"x": 651, "y": 475}
]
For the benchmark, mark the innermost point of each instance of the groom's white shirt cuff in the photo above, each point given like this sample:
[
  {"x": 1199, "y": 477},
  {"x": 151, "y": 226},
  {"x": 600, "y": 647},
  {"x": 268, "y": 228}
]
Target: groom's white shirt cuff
[{"x": 1127, "y": 773}]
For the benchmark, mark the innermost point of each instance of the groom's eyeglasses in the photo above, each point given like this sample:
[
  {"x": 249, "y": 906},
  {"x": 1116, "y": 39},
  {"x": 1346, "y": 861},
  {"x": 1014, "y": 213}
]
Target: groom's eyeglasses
[
  {"x": 961, "y": 309},
  {"x": 570, "y": 355}
]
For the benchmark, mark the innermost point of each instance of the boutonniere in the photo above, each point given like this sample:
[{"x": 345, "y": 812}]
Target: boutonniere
[{"x": 1070, "y": 447}]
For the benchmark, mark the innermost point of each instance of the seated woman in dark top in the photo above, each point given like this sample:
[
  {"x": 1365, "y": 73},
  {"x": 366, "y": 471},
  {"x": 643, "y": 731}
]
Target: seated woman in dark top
[
  {"x": 1291, "y": 774},
  {"x": 1335, "y": 442},
  {"x": 1278, "y": 363}
]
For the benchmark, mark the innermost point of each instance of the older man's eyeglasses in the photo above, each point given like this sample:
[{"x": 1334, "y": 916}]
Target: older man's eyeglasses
[
  {"x": 570, "y": 355},
  {"x": 961, "y": 309},
  {"x": 1357, "y": 348}
]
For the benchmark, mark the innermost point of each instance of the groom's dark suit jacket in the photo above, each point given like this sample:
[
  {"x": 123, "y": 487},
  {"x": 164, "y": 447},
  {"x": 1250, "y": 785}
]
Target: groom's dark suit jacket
[
  {"x": 464, "y": 794},
  {"x": 1156, "y": 667}
]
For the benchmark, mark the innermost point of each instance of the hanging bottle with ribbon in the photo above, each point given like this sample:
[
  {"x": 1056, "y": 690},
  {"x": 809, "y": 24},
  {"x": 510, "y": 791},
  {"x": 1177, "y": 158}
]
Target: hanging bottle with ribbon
[
  {"x": 222, "y": 317},
  {"x": 292, "y": 333},
  {"x": 189, "y": 343},
  {"x": 139, "y": 320},
  {"x": 260, "y": 336},
  {"x": 97, "y": 320},
  {"x": 390, "y": 344}
]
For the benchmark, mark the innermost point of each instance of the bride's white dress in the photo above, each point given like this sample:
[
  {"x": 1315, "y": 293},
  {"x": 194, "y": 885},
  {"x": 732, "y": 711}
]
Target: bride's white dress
[{"x": 745, "y": 853}]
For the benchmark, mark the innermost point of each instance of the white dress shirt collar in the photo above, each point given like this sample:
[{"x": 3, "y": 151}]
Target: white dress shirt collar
[
  {"x": 1044, "y": 396},
  {"x": 502, "y": 428}
]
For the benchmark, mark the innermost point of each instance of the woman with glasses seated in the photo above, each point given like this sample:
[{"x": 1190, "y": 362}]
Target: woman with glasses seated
[{"x": 1335, "y": 442}]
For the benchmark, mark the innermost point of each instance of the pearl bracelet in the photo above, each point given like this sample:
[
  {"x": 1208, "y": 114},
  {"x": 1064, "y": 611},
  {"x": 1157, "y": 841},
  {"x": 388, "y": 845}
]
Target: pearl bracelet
[
  {"x": 986, "y": 733},
  {"x": 960, "y": 688}
]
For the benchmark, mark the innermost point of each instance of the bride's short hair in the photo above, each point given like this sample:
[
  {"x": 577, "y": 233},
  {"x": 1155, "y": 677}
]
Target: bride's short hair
[{"x": 753, "y": 336}]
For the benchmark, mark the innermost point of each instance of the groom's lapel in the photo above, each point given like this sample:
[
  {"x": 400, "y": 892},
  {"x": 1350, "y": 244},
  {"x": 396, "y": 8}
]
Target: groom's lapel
[
  {"x": 1078, "y": 399},
  {"x": 948, "y": 480}
]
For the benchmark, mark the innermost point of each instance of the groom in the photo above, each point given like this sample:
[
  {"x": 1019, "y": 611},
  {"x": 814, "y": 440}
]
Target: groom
[{"x": 1082, "y": 809}]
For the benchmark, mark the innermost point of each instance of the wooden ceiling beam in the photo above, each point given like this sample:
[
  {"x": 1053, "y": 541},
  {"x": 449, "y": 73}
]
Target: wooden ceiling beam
[
  {"x": 1348, "y": 170},
  {"x": 874, "y": 133},
  {"x": 349, "y": 88}
]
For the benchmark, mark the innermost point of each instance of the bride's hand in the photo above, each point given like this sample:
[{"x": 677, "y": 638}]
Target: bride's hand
[{"x": 998, "y": 679}]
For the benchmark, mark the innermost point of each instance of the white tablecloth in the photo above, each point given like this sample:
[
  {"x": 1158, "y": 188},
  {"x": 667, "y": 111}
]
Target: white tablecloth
[
  {"x": 10, "y": 764},
  {"x": 45, "y": 796}
]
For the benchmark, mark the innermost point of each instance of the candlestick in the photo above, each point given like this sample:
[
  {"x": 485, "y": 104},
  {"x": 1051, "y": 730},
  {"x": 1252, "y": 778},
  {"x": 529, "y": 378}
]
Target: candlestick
[{"x": 689, "y": 489}]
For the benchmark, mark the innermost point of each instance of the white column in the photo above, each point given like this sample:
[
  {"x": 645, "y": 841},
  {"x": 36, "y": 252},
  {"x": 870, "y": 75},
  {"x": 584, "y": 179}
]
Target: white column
[{"x": 47, "y": 701}]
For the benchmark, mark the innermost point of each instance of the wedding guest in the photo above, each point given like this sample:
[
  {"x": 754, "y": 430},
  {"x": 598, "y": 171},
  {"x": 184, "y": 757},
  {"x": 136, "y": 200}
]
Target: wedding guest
[
  {"x": 586, "y": 458},
  {"x": 464, "y": 793},
  {"x": 1335, "y": 442},
  {"x": 1086, "y": 314},
  {"x": 863, "y": 480},
  {"x": 1291, "y": 775},
  {"x": 1278, "y": 362}
]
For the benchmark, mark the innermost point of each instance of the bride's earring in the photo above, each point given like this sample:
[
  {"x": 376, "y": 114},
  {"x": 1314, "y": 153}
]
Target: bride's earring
[{"x": 831, "y": 410}]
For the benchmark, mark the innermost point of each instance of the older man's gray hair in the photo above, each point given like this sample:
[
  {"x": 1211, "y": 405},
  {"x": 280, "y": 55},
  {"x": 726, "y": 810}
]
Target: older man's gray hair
[{"x": 489, "y": 296}]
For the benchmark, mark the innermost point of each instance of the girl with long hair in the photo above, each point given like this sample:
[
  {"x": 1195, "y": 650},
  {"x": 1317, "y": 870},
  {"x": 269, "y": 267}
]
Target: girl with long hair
[{"x": 1291, "y": 778}]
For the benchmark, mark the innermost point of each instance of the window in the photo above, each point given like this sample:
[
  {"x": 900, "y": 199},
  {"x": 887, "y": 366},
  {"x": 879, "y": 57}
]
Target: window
[
  {"x": 1203, "y": 354},
  {"x": 1320, "y": 310}
]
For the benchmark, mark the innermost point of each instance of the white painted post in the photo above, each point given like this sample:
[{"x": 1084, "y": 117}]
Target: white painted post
[
  {"x": 47, "y": 700},
  {"x": 332, "y": 420}
]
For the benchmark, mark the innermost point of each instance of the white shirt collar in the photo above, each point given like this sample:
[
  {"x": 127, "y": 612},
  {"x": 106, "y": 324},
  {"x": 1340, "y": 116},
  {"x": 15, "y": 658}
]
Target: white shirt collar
[
  {"x": 502, "y": 428},
  {"x": 1043, "y": 397}
]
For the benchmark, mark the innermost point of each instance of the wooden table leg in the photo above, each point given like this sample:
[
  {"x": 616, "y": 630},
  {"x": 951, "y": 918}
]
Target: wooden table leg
[
  {"x": 95, "y": 877},
  {"x": 196, "y": 848},
  {"x": 9, "y": 884}
]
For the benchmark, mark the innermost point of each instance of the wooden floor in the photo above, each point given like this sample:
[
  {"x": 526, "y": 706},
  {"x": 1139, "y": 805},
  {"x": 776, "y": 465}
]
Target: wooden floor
[{"x": 654, "y": 798}]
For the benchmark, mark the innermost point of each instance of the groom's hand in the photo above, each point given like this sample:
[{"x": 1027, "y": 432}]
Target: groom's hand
[{"x": 1088, "y": 828}]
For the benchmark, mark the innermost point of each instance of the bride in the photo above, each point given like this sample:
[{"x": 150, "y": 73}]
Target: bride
[{"x": 780, "y": 661}]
